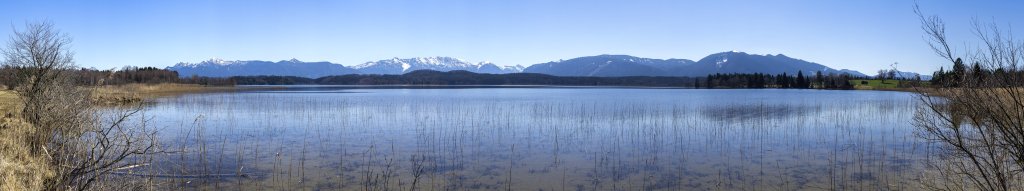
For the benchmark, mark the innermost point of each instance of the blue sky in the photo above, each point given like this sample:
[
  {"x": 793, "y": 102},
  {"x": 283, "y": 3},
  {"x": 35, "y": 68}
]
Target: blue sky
[{"x": 862, "y": 35}]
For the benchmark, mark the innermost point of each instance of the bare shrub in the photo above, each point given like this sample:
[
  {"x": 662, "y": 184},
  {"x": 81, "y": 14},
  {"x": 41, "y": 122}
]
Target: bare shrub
[
  {"x": 976, "y": 117},
  {"x": 80, "y": 146}
]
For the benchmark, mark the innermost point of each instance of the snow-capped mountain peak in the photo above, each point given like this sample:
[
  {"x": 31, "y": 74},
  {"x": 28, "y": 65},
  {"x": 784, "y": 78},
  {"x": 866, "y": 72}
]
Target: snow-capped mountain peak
[
  {"x": 218, "y": 61},
  {"x": 223, "y": 68},
  {"x": 721, "y": 61},
  {"x": 437, "y": 63},
  {"x": 211, "y": 61}
]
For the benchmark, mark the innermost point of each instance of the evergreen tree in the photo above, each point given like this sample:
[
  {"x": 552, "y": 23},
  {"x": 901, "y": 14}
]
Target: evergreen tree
[
  {"x": 938, "y": 76},
  {"x": 785, "y": 81},
  {"x": 708, "y": 82},
  {"x": 800, "y": 81},
  {"x": 959, "y": 70},
  {"x": 818, "y": 79},
  {"x": 978, "y": 74}
]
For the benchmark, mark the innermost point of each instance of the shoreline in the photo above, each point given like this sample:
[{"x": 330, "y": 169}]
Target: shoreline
[{"x": 132, "y": 93}]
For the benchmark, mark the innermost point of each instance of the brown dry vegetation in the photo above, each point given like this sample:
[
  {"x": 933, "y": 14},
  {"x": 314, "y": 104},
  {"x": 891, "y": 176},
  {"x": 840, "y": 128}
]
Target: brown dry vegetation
[
  {"x": 18, "y": 168},
  {"x": 8, "y": 102},
  {"x": 51, "y": 136},
  {"x": 131, "y": 93},
  {"x": 977, "y": 118},
  {"x": 22, "y": 170}
]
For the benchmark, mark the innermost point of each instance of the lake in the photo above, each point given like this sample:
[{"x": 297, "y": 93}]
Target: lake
[{"x": 537, "y": 138}]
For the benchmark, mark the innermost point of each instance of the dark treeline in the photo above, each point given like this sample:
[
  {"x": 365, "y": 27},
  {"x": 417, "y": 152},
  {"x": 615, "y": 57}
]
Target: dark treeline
[
  {"x": 142, "y": 75},
  {"x": 759, "y": 80},
  {"x": 272, "y": 80},
  {"x": 128, "y": 75},
  {"x": 976, "y": 76},
  {"x": 427, "y": 77}
]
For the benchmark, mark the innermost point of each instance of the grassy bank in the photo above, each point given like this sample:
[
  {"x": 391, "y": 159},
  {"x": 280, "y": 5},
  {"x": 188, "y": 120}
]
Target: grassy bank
[
  {"x": 888, "y": 85},
  {"x": 875, "y": 84},
  {"x": 131, "y": 93}
]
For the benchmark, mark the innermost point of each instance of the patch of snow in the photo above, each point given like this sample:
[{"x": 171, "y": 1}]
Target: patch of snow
[
  {"x": 217, "y": 61},
  {"x": 405, "y": 66},
  {"x": 721, "y": 61}
]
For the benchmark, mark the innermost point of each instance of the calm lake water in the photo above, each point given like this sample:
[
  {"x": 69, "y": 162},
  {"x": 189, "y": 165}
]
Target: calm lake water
[{"x": 319, "y": 137}]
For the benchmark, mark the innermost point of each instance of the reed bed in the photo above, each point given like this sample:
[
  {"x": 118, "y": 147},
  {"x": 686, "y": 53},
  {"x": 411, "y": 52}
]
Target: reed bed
[{"x": 532, "y": 139}]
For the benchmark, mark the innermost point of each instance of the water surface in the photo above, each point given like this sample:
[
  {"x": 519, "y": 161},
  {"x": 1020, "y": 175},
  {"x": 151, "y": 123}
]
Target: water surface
[{"x": 530, "y": 138}]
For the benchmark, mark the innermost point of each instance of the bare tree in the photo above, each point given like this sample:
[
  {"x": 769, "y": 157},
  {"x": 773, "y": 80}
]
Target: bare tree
[
  {"x": 977, "y": 123},
  {"x": 881, "y": 75},
  {"x": 80, "y": 145},
  {"x": 41, "y": 57}
]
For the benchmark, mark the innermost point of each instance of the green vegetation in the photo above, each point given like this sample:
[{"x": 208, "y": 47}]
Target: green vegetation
[{"x": 877, "y": 84}]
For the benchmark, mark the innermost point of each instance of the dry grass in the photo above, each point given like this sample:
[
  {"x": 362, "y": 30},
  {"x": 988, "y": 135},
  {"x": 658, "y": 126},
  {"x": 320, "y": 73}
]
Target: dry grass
[
  {"x": 8, "y": 103},
  {"x": 19, "y": 170},
  {"x": 131, "y": 93}
]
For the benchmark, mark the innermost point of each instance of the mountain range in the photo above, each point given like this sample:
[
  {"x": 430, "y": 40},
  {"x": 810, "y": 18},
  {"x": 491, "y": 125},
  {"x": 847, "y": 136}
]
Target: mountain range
[
  {"x": 223, "y": 68},
  {"x": 725, "y": 62},
  {"x": 444, "y": 64},
  {"x": 596, "y": 66}
]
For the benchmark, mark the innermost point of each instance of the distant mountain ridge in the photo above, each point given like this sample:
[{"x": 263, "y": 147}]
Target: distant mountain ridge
[
  {"x": 293, "y": 67},
  {"x": 223, "y": 68},
  {"x": 725, "y": 62},
  {"x": 588, "y": 66},
  {"x": 609, "y": 66}
]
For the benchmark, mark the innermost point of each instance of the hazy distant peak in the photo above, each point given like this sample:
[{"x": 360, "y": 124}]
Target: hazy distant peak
[
  {"x": 722, "y": 62},
  {"x": 731, "y": 52},
  {"x": 293, "y": 67}
]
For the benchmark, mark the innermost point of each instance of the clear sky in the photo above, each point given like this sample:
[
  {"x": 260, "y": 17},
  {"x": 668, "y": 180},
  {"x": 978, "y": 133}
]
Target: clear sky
[{"x": 864, "y": 35}]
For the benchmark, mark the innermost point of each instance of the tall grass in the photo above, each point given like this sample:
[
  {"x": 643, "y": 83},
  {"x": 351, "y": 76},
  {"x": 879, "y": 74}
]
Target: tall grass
[{"x": 18, "y": 168}]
